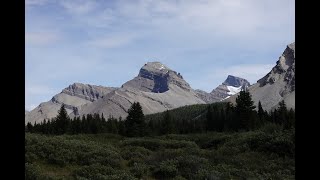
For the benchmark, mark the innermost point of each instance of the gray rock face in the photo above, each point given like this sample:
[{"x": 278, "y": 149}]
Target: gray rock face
[
  {"x": 207, "y": 97},
  {"x": 230, "y": 86},
  {"x": 278, "y": 84},
  {"x": 73, "y": 97},
  {"x": 235, "y": 81},
  {"x": 156, "y": 77}
]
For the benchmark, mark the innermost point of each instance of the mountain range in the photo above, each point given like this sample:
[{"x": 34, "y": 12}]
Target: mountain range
[
  {"x": 277, "y": 85},
  {"x": 158, "y": 88}
]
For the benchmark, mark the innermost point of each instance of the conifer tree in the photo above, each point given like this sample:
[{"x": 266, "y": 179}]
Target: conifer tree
[
  {"x": 135, "y": 123},
  {"x": 260, "y": 111},
  {"x": 29, "y": 127},
  {"x": 244, "y": 108},
  {"x": 122, "y": 128},
  {"x": 62, "y": 120},
  {"x": 290, "y": 119},
  {"x": 209, "y": 117},
  {"x": 167, "y": 124},
  {"x": 282, "y": 112}
]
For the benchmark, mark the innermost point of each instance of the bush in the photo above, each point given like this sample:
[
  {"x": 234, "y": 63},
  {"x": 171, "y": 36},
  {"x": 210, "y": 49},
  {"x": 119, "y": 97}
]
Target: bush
[
  {"x": 130, "y": 152},
  {"x": 33, "y": 172},
  {"x": 100, "y": 172},
  {"x": 62, "y": 151},
  {"x": 166, "y": 169},
  {"x": 271, "y": 128},
  {"x": 156, "y": 144},
  {"x": 139, "y": 170},
  {"x": 189, "y": 165}
]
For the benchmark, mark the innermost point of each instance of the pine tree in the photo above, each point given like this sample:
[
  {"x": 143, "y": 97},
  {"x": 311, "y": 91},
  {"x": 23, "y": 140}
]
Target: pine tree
[
  {"x": 29, "y": 127},
  {"x": 135, "y": 123},
  {"x": 244, "y": 108},
  {"x": 62, "y": 120},
  {"x": 167, "y": 124},
  {"x": 282, "y": 112},
  {"x": 221, "y": 120},
  {"x": 209, "y": 117},
  {"x": 122, "y": 128},
  {"x": 290, "y": 120},
  {"x": 260, "y": 111}
]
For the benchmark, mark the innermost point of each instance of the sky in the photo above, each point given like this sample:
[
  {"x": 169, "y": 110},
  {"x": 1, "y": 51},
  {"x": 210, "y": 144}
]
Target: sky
[{"x": 106, "y": 42}]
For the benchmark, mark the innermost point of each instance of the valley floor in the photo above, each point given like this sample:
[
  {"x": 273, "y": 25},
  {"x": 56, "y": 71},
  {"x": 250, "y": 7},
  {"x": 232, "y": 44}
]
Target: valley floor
[{"x": 267, "y": 153}]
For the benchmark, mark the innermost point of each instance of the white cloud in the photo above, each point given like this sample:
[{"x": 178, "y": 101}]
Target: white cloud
[
  {"x": 38, "y": 90},
  {"x": 41, "y": 38},
  {"x": 112, "y": 41},
  {"x": 35, "y": 2},
  {"x": 232, "y": 17},
  {"x": 78, "y": 7}
]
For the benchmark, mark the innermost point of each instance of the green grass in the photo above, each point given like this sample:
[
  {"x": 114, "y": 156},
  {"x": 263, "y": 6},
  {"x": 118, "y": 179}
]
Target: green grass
[{"x": 261, "y": 154}]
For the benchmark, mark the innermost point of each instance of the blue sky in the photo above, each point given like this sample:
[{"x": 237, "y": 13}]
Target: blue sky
[{"x": 106, "y": 42}]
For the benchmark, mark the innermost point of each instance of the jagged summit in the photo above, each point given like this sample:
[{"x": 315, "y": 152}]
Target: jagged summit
[
  {"x": 155, "y": 66},
  {"x": 156, "y": 77},
  {"x": 229, "y": 87},
  {"x": 87, "y": 91},
  {"x": 235, "y": 81}
]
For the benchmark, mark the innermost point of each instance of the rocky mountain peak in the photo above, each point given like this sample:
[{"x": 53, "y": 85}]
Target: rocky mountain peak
[
  {"x": 155, "y": 67},
  {"x": 284, "y": 69},
  {"x": 156, "y": 77},
  {"x": 87, "y": 91},
  {"x": 236, "y": 81}
]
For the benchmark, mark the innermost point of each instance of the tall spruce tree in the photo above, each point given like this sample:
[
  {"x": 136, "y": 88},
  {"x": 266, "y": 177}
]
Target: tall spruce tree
[
  {"x": 135, "y": 122},
  {"x": 209, "y": 116},
  {"x": 167, "y": 124},
  {"x": 62, "y": 120},
  {"x": 260, "y": 111},
  {"x": 245, "y": 110},
  {"x": 282, "y": 112},
  {"x": 29, "y": 127},
  {"x": 290, "y": 122}
]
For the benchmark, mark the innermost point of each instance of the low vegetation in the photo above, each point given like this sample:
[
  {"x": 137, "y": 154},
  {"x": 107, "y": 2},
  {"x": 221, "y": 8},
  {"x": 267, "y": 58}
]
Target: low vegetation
[{"x": 266, "y": 153}]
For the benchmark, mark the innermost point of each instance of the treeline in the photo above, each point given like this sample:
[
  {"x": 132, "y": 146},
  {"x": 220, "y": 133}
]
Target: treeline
[
  {"x": 223, "y": 117},
  {"x": 190, "y": 119},
  {"x": 89, "y": 124}
]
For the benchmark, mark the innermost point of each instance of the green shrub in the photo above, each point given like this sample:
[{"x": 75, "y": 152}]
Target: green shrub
[
  {"x": 270, "y": 128},
  {"x": 33, "y": 172},
  {"x": 166, "y": 169},
  {"x": 100, "y": 172},
  {"x": 130, "y": 152},
  {"x": 156, "y": 144},
  {"x": 139, "y": 170},
  {"x": 189, "y": 165}
]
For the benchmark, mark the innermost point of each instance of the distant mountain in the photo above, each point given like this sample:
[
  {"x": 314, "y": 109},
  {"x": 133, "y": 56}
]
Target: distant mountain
[
  {"x": 73, "y": 96},
  {"x": 26, "y": 112},
  {"x": 230, "y": 86},
  {"x": 156, "y": 87},
  {"x": 278, "y": 84}
]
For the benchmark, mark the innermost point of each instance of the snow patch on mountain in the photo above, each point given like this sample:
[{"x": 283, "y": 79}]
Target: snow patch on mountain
[{"x": 233, "y": 90}]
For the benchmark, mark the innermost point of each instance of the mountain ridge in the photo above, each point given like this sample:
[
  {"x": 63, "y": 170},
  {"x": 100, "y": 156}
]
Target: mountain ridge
[
  {"x": 159, "y": 88},
  {"x": 277, "y": 85}
]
